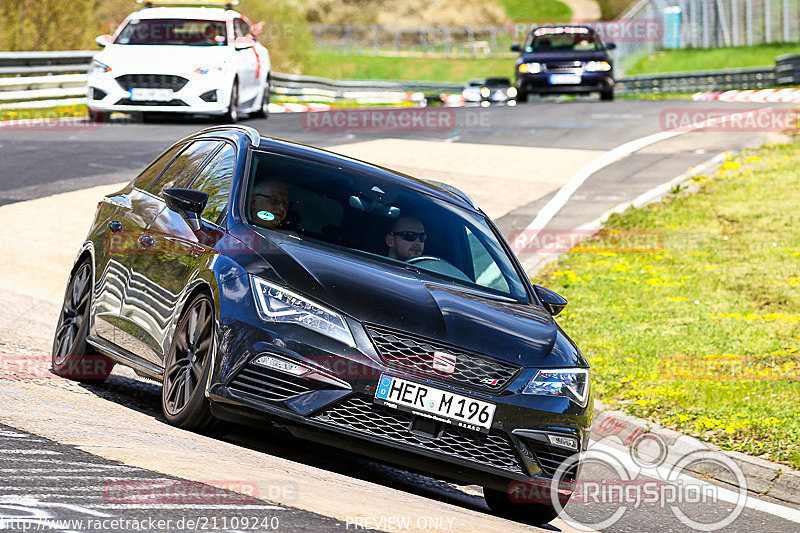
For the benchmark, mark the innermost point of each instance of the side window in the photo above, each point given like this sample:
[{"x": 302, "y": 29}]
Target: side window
[
  {"x": 216, "y": 179},
  {"x": 487, "y": 273},
  {"x": 183, "y": 169},
  {"x": 149, "y": 175},
  {"x": 237, "y": 28}
]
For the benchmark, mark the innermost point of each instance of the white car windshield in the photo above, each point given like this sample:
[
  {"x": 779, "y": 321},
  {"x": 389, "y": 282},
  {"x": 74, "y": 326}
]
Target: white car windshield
[{"x": 183, "y": 32}]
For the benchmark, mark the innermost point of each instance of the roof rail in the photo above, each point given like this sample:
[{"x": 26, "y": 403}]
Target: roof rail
[
  {"x": 452, "y": 190},
  {"x": 252, "y": 133},
  {"x": 151, "y": 3}
]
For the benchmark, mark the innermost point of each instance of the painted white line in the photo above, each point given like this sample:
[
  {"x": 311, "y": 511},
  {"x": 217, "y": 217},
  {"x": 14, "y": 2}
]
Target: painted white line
[
  {"x": 563, "y": 195},
  {"x": 787, "y": 513},
  {"x": 29, "y": 452},
  {"x": 231, "y": 506},
  {"x": 655, "y": 193}
]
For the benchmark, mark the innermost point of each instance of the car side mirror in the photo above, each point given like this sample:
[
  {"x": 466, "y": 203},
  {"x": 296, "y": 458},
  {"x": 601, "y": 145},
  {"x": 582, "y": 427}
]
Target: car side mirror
[
  {"x": 243, "y": 43},
  {"x": 188, "y": 202},
  {"x": 516, "y": 48},
  {"x": 552, "y": 301},
  {"x": 103, "y": 40},
  {"x": 611, "y": 46}
]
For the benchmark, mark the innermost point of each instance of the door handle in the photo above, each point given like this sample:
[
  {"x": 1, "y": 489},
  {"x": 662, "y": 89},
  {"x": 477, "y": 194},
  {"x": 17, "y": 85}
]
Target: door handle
[
  {"x": 147, "y": 241},
  {"x": 115, "y": 226}
]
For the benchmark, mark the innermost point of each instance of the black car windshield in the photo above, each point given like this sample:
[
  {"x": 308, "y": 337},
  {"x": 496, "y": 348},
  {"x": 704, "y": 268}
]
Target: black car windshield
[
  {"x": 562, "y": 39},
  {"x": 173, "y": 32},
  {"x": 380, "y": 220}
]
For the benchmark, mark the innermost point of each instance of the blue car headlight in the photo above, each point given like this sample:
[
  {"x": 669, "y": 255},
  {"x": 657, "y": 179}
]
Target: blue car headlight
[
  {"x": 571, "y": 383},
  {"x": 278, "y": 304}
]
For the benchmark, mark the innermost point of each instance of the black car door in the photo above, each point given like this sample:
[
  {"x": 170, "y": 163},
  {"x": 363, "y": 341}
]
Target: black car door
[
  {"x": 145, "y": 309},
  {"x": 124, "y": 215}
]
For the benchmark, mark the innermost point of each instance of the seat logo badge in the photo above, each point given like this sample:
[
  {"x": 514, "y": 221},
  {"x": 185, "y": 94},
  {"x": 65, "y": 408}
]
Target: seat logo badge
[{"x": 444, "y": 362}]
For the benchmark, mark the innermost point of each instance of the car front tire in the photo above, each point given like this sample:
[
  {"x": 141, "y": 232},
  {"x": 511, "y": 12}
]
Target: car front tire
[
  {"x": 187, "y": 369},
  {"x": 607, "y": 94},
  {"x": 232, "y": 116},
  {"x": 263, "y": 112},
  {"x": 534, "y": 513}
]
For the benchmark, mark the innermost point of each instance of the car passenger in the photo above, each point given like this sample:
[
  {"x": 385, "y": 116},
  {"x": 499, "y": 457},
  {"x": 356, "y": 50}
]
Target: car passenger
[
  {"x": 269, "y": 203},
  {"x": 406, "y": 238}
]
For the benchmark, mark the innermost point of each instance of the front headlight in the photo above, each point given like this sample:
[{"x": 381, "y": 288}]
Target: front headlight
[
  {"x": 277, "y": 304},
  {"x": 485, "y": 92},
  {"x": 530, "y": 68},
  {"x": 572, "y": 383},
  {"x": 511, "y": 92},
  {"x": 98, "y": 67},
  {"x": 597, "y": 66}
]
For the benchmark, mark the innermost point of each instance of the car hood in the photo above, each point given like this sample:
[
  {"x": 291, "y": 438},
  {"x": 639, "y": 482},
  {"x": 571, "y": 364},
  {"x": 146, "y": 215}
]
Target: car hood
[
  {"x": 155, "y": 59},
  {"x": 546, "y": 57},
  {"x": 394, "y": 296}
]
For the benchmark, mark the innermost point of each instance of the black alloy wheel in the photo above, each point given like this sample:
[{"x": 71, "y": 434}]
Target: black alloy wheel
[
  {"x": 72, "y": 357},
  {"x": 188, "y": 365}
]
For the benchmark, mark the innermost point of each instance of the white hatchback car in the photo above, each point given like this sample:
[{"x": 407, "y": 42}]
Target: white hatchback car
[{"x": 198, "y": 60}]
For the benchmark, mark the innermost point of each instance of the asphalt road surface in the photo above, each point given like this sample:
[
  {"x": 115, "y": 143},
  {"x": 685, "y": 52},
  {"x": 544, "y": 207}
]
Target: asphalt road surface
[{"x": 66, "y": 451}]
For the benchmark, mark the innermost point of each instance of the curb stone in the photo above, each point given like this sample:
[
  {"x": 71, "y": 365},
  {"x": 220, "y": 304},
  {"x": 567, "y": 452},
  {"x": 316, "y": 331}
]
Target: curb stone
[{"x": 762, "y": 477}]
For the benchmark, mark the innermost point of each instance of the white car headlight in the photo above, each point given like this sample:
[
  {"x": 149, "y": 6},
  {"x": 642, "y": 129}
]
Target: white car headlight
[
  {"x": 277, "y": 304},
  {"x": 511, "y": 92},
  {"x": 98, "y": 67},
  {"x": 571, "y": 383},
  {"x": 597, "y": 66},
  {"x": 530, "y": 68}
]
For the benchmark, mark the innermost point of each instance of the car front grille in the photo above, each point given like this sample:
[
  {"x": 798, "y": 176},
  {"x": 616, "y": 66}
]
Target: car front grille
[
  {"x": 356, "y": 413},
  {"x": 550, "y": 458},
  {"x": 151, "y": 81},
  {"x": 269, "y": 385},
  {"x": 415, "y": 355},
  {"x": 572, "y": 66},
  {"x": 152, "y": 103}
]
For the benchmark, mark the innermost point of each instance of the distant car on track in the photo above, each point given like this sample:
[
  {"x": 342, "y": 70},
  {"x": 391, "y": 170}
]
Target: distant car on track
[
  {"x": 262, "y": 281},
  {"x": 564, "y": 59},
  {"x": 190, "y": 60},
  {"x": 490, "y": 91}
]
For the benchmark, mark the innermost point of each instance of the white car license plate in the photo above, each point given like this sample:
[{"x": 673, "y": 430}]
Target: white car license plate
[
  {"x": 435, "y": 403},
  {"x": 564, "y": 79},
  {"x": 158, "y": 95}
]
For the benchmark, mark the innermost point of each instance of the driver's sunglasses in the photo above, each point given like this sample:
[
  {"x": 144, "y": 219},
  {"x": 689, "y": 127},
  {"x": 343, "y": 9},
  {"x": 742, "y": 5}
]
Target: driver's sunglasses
[
  {"x": 273, "y": 201},
  {"x": 411, "y": 236}
]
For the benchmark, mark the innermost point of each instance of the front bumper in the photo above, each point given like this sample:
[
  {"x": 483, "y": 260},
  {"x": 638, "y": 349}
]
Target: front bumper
[
  {"x": 200, "y": 94},
  {"x": 540, "y": 83},
  {"x": 335, "y": 405}
]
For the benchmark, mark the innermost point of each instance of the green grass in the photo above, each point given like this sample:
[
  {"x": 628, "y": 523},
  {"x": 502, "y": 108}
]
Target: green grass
[
  {"x": 340, "y": 66},
  {"x": 712, "y": 58},
  {"x": 699, "y": 330},
  {"x": 540, "y": 10},
  {"x": 78, "y": 110}
]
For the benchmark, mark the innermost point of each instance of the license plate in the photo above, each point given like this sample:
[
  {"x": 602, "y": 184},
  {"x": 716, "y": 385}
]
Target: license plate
[
  {"x": 434, "y": 403},
  {"x": 564, "y": 79},
  {"x": 158, "y": 95}
]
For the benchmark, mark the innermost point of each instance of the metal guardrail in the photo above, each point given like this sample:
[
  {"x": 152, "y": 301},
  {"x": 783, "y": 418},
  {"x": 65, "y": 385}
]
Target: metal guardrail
[
  {"x": 709, "y": 80},
  {"x": 45, "y": 79}
]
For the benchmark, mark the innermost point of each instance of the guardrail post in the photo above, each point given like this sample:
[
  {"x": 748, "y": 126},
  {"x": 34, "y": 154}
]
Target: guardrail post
[{"x": 768, "y": 21}]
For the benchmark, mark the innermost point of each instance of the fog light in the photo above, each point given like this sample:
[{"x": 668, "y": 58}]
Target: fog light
[
  {"x": 210, "y": 96},
  {"x": 564, "y": 442},
  {"x": 97, "y": 94},
  {"x": 281, "y": 365}
]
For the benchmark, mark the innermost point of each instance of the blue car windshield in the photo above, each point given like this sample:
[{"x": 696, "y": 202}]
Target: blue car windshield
[
  {"x": 382, "y": 220},
  {"x": 183, "y": 32},
  {"x": 561, "y": 39}
]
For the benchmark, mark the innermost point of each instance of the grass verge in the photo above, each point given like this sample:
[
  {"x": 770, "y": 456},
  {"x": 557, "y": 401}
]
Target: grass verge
[
  {"x": 690, "y": 59},
  {"x": 541, "y": 10},
  {"x": 77, "y": 110},
  {"x": 699, "y": 330},
  {"x": 341, "y": 66}
]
